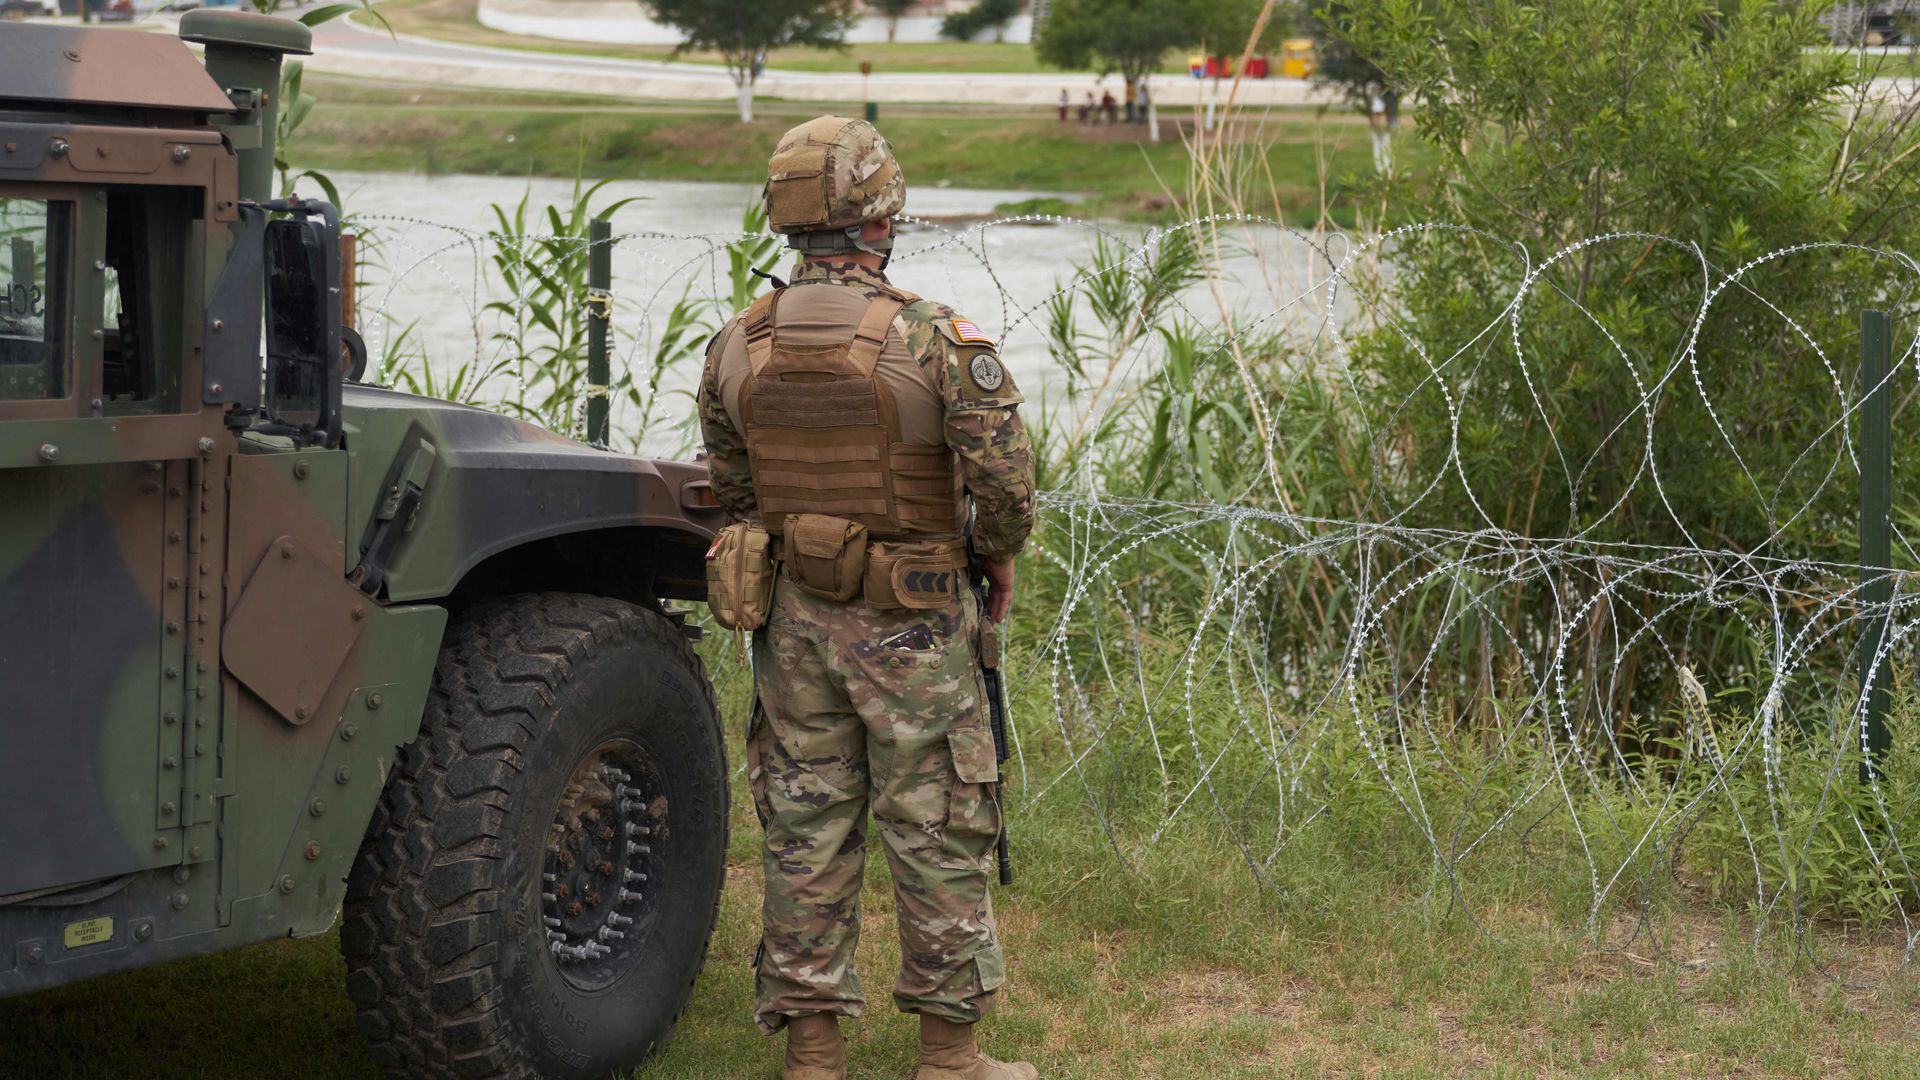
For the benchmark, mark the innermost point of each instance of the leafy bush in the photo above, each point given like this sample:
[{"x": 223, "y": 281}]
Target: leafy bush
[{"x": 982, "y": 16}]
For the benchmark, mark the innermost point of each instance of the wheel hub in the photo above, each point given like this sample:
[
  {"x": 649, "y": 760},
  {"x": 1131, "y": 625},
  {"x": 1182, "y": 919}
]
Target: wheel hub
[{"x": 597, "y": 879}]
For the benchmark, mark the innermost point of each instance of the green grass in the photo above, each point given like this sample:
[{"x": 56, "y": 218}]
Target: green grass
[
  {"x": 1180, "y": 969},
  {"x": 454, "y": 20},
  {"x": 433, "y": 130}
]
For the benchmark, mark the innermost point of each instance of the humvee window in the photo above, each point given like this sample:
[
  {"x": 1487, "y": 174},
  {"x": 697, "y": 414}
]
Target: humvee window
[
  {"x": 146, "y": 234},
  {"x": 34, "y": 239}
]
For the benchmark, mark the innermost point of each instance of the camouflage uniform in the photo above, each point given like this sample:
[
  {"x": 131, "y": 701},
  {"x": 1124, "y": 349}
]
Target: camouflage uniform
[{"x": 862, "y": 705}]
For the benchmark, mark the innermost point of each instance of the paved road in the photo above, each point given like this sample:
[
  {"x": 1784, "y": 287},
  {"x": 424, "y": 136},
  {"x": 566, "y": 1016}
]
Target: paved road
[{"x": 344, "y": 47}]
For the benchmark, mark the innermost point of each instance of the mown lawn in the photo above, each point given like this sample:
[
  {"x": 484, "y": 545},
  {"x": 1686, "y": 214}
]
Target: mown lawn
[
  {"x": 455, "y": 20},
  {"x": 438, "y": 130},
  {"x": 1180, "y": 969}
]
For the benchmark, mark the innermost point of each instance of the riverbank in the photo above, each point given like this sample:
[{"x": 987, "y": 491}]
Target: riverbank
[{"x": 1314, "y": 160}]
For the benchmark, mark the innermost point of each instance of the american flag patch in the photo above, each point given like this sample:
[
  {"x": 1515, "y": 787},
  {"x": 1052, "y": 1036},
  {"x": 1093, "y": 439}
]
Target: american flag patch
[{"x": 966, "y": 331}]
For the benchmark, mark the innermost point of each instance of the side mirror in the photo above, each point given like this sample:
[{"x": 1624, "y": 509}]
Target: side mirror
[{"x": 303, "y": 322}]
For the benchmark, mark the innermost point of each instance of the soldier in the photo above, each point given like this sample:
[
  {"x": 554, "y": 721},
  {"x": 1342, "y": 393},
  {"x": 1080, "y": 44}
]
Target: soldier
[{"x": 854, "y": 420}]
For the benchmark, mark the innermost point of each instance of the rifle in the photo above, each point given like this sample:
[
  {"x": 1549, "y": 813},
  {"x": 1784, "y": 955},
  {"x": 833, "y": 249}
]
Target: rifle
[{"x": 996, "y": 698}]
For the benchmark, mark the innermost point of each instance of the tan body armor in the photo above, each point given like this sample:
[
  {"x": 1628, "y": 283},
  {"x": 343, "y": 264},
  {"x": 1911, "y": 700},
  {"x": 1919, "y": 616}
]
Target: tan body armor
[{"x": 833, "y": 471}]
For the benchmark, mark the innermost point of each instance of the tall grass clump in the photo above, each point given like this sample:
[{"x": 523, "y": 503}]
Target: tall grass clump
[{"x": 530, "y": 357}]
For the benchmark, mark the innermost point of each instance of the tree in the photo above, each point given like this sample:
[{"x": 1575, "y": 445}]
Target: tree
[
  {"x": 1336, "y": 63},
  {"x": 1227, "y": 24},
  {"x": 744, "y": 31},
  {"x": 984, "y": 15},
  {"x": 892, "y": 9},
  {"x": 1127, "y": 36},
  {"x": 1629, "y": 155}
]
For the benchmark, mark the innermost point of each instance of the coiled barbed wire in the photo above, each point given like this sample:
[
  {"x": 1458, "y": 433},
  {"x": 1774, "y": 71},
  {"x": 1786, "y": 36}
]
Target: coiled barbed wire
[{"x": 1231, "y": 712}]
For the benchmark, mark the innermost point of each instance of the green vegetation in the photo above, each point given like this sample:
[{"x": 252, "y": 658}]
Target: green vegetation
[
  {"x": 1180, "y": 968},
  {"x": 1134, "y": 37},
  {"x": 1704, "y": 135},
  {"x": 362, "y": 126},
  {"x": 1163, "y": 954},
  {"x": 743, "y": 31},
  {"x": 981, "y": 17}
]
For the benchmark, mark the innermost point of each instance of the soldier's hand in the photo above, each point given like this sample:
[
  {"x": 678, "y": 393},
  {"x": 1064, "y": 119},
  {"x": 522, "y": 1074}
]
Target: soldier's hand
[{"x": 999, "y": 589}]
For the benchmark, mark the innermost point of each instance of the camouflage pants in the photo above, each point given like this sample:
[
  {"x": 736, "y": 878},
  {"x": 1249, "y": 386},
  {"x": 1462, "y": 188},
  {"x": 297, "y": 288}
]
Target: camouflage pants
[{"x": 863, "y": 706}]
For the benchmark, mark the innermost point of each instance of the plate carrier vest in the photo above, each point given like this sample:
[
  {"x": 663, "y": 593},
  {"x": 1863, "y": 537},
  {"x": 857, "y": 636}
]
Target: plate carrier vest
[{"x": 823, "y": 435}]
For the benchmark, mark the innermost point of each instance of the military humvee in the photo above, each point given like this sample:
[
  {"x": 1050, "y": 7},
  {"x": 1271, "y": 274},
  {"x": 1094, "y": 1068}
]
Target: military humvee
[{"x": 277, "y": 648}]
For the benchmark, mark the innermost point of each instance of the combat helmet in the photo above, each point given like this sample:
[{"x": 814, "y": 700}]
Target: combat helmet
[{"x": 826, "y": 178}]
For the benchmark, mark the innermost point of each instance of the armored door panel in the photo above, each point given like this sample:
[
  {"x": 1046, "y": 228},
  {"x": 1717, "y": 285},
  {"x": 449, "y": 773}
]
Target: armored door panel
[{"x": 89, "y": 661}]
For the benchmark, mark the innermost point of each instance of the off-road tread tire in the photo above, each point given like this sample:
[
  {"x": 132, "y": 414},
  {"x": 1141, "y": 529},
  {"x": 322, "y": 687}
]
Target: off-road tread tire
[{"x": 418, "y": 929}]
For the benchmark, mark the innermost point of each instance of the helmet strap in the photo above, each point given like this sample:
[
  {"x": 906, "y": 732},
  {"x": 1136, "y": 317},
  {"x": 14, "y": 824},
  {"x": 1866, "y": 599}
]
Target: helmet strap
[{"x": 882, "y": 247}]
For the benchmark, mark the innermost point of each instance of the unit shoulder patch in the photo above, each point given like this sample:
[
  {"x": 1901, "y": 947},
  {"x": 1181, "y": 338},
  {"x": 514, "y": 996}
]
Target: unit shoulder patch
[{"x": 985, "y": 371}]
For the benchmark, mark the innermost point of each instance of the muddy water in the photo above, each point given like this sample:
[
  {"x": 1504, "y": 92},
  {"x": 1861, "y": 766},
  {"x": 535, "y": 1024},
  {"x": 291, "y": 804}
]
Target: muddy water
[{"x": 430, "y": 268}]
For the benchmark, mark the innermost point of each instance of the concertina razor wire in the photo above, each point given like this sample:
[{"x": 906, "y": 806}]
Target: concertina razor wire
[{"x": 1626, "y": 694}]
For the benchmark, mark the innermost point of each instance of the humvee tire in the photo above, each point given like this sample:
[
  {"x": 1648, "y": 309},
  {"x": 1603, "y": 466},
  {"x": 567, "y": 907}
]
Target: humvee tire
[{"x": 537, "y": 888}]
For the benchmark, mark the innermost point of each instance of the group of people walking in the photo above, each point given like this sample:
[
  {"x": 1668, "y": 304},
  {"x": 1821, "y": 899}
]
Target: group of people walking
[{"x": 1105, "y": 108}]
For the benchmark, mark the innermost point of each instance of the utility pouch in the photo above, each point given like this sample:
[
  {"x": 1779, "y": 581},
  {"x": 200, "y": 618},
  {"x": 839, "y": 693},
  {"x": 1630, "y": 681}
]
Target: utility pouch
[
  {"x": 740, "y": 577},
  {"x": 826, "y": 556},
  {"x": 915, "y": 581},
  {"x": 923, "y": 582}
]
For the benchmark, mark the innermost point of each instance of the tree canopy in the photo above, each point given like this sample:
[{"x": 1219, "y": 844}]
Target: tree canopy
[
  {"x": 1132, "y": 36},
  {"x": 742, "y": 30},
  {"x": 1627, "y": 154},
  {"x": 1128, "y": 36},
  {"x": 892, "y": 9},
  {"x": 985, "y": 15},
  {"x": 1336, "y": 62}
]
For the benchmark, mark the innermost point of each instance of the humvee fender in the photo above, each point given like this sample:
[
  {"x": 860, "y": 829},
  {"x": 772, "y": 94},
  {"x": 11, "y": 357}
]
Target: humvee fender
[{"x": 273, "y": 644}]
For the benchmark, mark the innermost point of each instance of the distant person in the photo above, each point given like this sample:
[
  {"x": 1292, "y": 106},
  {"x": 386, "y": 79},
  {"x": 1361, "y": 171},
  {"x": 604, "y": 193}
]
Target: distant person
[
  {"x": 1063, "y": 105},
  {"x": 1087, "y": 109},
  {"x": 1108, "y": 107},
  {"x": 1145, "y": 101},
  {"x": 1132, "y": 92}
]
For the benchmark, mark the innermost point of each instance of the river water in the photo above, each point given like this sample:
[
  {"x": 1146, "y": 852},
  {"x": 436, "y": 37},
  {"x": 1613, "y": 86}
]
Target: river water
[{"x": 428, "y": 274}]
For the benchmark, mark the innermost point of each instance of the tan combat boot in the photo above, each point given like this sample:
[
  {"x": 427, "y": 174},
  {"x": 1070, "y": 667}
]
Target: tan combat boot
[
  {"x": 815, "y": 1048},
  {"x": 948, "y": 1052}
]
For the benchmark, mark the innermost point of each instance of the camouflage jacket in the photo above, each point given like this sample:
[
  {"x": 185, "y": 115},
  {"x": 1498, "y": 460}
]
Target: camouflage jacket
[{"x": 977, "y": 402}]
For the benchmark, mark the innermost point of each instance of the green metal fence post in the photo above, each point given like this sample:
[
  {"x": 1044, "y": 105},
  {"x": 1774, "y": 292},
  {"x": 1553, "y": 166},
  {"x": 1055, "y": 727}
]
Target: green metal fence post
[
  {"x": 599, "y": 322},
  {"x": 1876, "y": 506}
]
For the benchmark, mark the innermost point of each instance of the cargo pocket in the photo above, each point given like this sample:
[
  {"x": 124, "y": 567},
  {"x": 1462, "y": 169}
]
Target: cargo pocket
[
  {"x": 990, "y": 966},
  {"x": 973, "y": 810},
  {"x": 759, "y": 736}
]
